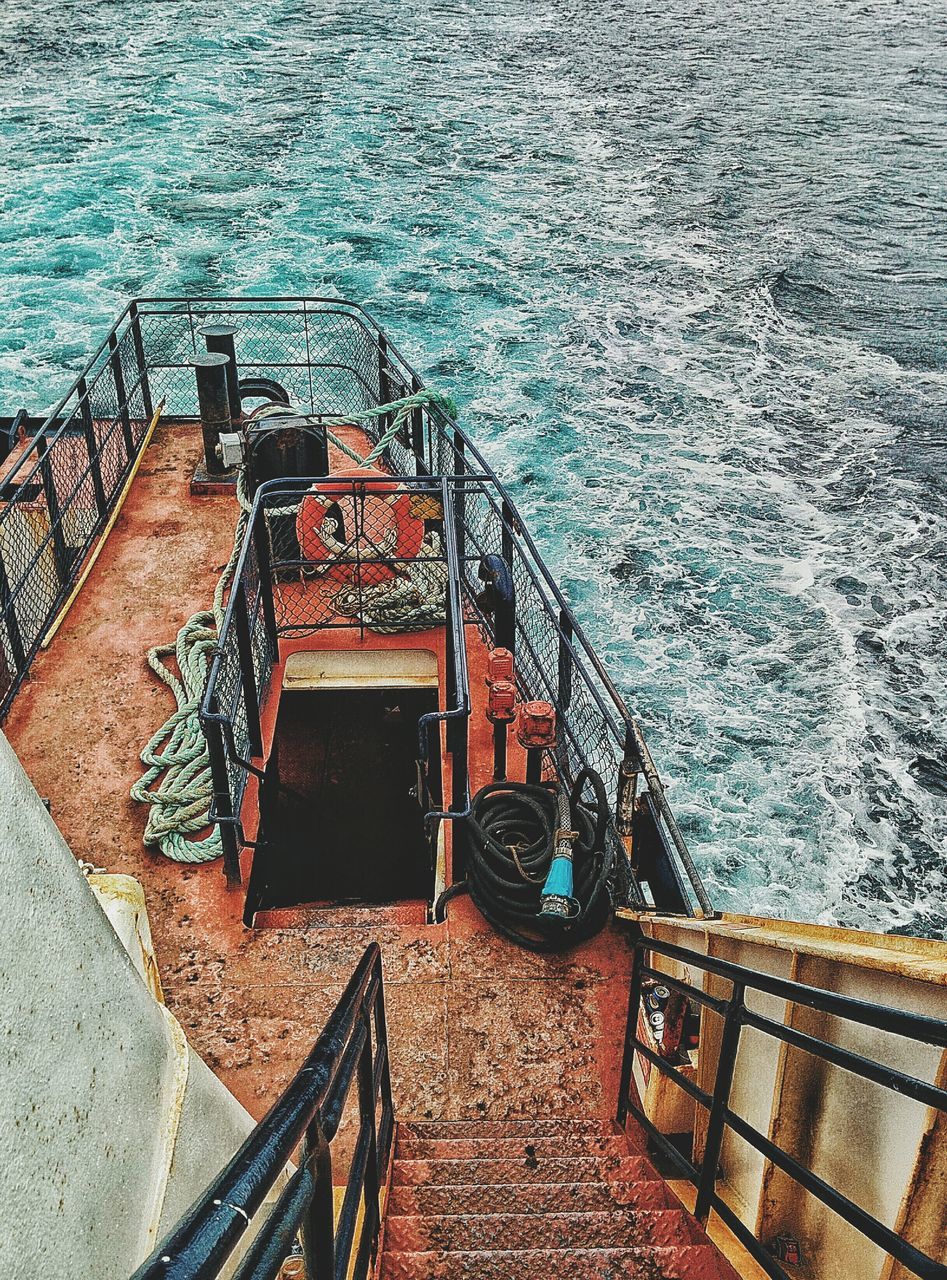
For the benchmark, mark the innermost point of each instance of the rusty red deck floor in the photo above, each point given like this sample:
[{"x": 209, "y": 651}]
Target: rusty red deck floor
[{"x": 478, "y": 1028}]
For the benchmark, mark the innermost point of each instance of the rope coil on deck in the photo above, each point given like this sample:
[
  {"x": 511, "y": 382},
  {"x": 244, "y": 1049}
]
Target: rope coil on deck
[{"x": 176, "y": 783}]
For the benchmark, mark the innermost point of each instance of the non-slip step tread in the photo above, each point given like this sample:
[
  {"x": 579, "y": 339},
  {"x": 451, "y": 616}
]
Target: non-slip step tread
[
  {"x": 688, "y": 1262},
  {"x": 628, "y": 1168},
  {"x": 622, "y": 1227},
  {"x": 548, "y": 1128},
  {"x": 528, "y": 1147},
  {"x": 327, "y": 915},
  {"x": 532, "y": 1197}
]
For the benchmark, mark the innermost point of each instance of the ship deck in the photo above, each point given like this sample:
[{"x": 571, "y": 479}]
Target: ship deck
[{"x": 478, "y": 1027}]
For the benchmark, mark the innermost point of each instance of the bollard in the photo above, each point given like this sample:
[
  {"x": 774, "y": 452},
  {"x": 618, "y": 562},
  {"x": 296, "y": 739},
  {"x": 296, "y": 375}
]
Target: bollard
[
  {"x": 219, "y": 339},
  {"x": 211, "y": 373}
]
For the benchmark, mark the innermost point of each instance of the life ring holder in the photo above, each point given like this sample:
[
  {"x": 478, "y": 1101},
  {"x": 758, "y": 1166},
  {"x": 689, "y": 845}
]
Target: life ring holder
[{"x": 381, "y": 509}]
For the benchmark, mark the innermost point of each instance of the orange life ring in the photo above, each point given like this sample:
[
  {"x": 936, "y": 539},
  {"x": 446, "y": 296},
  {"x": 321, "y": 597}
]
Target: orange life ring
[{"x": 351, "y": 524}]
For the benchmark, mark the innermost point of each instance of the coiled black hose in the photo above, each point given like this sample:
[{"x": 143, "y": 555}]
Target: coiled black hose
[{"x": 510, "y": 843}]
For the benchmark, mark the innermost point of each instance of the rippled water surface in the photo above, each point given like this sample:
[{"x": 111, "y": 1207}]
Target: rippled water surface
[{"x": 682, "y": 264}]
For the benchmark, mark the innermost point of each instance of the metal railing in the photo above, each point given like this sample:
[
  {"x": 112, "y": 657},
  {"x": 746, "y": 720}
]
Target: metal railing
[
  {"x": 309, "y": 1111},
  {"x": 332, "y": 359},
  {"x": 60, "y": 477},
  {"x": 282, "y": 590},
  {"x": 736, "y": 1015}
]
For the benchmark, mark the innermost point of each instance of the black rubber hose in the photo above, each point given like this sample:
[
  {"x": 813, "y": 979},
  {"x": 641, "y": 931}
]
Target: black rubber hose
[{"x": 510, "y": 842}]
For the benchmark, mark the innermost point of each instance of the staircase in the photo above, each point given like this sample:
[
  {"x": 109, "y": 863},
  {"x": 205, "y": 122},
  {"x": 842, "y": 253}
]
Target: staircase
[{"x": 533, "y": 1200}]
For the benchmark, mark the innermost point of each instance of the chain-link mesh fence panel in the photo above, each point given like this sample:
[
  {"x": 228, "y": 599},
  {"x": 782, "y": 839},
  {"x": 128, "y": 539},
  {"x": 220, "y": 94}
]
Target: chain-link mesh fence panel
[{"x": 57, "y": 495}]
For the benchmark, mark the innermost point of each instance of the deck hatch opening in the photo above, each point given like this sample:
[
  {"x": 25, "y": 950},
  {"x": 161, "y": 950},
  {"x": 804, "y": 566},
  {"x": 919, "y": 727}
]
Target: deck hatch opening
[{"x": 341, "y": 822}]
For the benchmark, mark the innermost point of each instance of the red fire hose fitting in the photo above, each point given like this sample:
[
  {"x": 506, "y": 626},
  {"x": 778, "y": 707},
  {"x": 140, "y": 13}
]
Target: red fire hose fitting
[
  {"x": 501, "y": 705},
  {"x": 537, "y": 726},
  {"x": 499, "y": 665}
]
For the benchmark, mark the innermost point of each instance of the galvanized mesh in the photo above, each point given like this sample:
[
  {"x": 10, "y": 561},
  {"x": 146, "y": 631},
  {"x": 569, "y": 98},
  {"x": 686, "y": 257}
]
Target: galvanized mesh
[
  {"x": 342, "y": 548},
  {"x": 58, "y": 489},
  {"x": 326, "y": 358}
]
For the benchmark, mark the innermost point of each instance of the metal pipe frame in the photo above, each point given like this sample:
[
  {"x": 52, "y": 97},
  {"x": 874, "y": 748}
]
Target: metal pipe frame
[
  {"x": 736, "y": 1016},
  {"x": 434, "y": 432},
  {"x": 309, "y": 1111}
]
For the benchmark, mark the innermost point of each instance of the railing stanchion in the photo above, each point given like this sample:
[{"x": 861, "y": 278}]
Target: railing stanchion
[
  {"x": 565, "y": 661},
  {"x": 261, "y": 543},
  {"x": 14, "y": 634},
  {"x": 506, "y": 533},
  {"x": 631, "y": 1033},
  {"x": 92, "y": 446},
  {"x": 384, "y": 383},
  {"x": 118, "y": 378},
  {"x": 220, "y": 779},
  {"x": 387, "y": 1103},
  {"x": 417, "y": 423},
  {"x": 434, "y": 772},
  {"x": 723, "y": 1079},
  {"x": 143, "y": 384},
  {"x": 628, "y": 772},
  {"x": 251, "y": 698},
  {"x": 318, "y": 1226},
  {"x": 60, "y": 550},
  {"x": 460, "y": 501}
]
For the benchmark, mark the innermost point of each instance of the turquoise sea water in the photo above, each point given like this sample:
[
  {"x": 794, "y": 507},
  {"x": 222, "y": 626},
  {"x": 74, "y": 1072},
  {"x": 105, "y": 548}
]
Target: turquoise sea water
[{"x": 682, "y": 264}]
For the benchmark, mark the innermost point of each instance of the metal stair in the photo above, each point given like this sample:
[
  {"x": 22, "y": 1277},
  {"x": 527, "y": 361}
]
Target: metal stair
[{"x": 521, "y": 1199}]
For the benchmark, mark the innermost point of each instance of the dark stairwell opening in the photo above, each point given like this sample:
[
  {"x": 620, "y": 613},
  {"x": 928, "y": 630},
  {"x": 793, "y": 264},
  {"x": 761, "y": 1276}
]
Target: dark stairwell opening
[{"x": 340, "y": 818}]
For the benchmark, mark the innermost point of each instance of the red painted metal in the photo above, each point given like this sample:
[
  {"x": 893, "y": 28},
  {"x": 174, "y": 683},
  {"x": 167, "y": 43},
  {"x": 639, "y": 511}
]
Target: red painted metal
[
  {"x": 499, "y": 665},
  {"x": 537, "y": 726},
  {"x": 501, "y": 702},
  {"x": 521, "y": 1201}
]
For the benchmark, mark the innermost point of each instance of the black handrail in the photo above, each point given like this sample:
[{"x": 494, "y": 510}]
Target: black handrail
[
  {"x": 220, "y": 717},
  {"x": 309, "y": 1110},
  {"x": 914, "y": 1026}
]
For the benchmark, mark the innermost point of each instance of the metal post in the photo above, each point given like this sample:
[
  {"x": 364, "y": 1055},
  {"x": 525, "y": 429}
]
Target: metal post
[
  {"x": 8, "y": 610},
  {"x": 458, "y": 767},
  {"x": 631, "y": 1034},
  {"x": 434, "y": 772},
  {"x": 384, "y": 383},
  {"x": 506, "y": 534},
  {"x": 628, "y": 772},
  {"x": 732, "y": 1025},
  {"x": 564, "y": 690},
  {"x": 142, "y": 363},
  {"x": 381, "y": 1047},
  {"x": 219, "y": 339},
  {"x": 118, "y": 378},
  {"x": 261, "y": 542},
  {"x": 450, "y": 660},
  {"x": 220, "y": 779},
  {"x": 11, "y": 434},
  {"x": 213, "y": 399},
  {"x": 92, "y": 445},
  {"x": 318, "y": 1226},
  {"x": 417, "y": 422},
  {"x": 534, "y": 765},
  {"x": 460, "y": 502},
  {"x": 251, "y": 700},
  {"x": 61, "y": 558}
]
